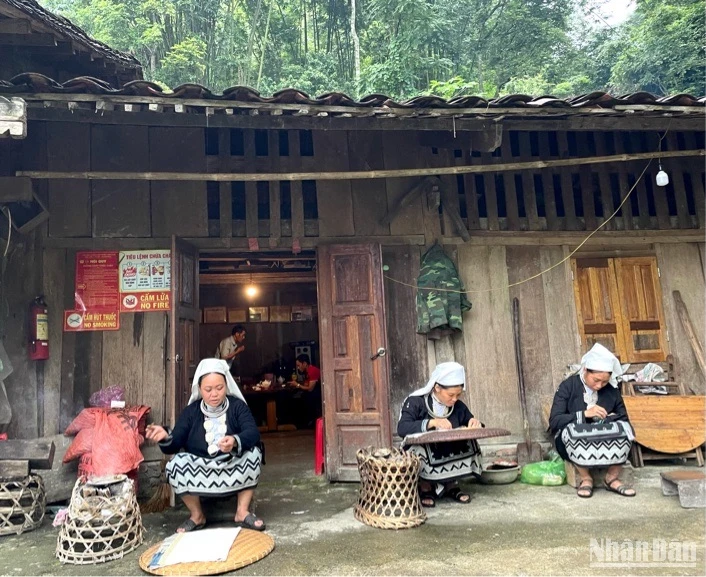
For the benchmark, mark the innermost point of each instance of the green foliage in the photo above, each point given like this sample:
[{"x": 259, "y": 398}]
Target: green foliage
[{"x": 407, "y": 47}]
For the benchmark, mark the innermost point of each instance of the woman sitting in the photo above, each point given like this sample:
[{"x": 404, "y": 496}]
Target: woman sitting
[
  {"x": 438, "y": 406},
  {"x": 590, "y": 424},
  {"x": 221, "y": 447}
]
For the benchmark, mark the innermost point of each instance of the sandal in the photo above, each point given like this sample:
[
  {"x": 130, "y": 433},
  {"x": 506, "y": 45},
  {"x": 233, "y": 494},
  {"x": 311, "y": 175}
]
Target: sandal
[
  {"x": 428, "y": 499},
  {"x": 585, "y": 489},
  {"x": 459, "y": 496},
  {"x": 250, "y": 522},
  {"x": 190, "y": 525},
  {"x": 621, "y": 489}
]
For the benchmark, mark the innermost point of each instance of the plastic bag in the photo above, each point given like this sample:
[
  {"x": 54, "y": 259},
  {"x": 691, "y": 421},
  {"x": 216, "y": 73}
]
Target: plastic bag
[
  {"x": 103, "y": 397},
  {"x": 82, "y": 443},
  {"x": 548, "y": 473}
]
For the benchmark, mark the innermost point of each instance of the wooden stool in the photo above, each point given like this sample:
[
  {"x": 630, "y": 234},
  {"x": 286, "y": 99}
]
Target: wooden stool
[
  {"x": 627, "y": 475},
  {"x": 689, "y": 485},
  {"x": 389, "y": 496},
  {"x": 103, "y": 522},
  {"x": 22, "y": 504}
]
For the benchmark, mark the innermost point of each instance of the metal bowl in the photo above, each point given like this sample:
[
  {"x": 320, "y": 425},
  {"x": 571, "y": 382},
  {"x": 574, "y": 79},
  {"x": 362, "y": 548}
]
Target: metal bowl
[{"x": 499, "y": 476}]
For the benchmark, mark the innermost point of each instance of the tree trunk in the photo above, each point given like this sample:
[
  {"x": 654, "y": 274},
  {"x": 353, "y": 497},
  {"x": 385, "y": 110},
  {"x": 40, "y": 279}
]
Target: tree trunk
[{"x": 356, "y": 51}]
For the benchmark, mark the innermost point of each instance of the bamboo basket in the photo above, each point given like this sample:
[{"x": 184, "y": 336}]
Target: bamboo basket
[
  {"x": 103, "y": 523},
  {"x": 22, "y": 504},
  {"x": 389, "y": 497}
]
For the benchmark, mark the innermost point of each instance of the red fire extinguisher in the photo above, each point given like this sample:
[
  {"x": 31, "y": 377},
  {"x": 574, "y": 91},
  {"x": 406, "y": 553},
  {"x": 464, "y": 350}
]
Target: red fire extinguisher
[{"x": 38, "y": 330}]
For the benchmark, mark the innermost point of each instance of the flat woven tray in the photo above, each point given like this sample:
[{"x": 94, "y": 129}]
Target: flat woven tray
[
  {"x": 248, "y": 547},
  {"x": 461, "y": 434}
]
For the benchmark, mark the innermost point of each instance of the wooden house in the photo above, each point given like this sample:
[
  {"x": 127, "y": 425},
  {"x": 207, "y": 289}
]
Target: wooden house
[{"x": 518, "y": 191}]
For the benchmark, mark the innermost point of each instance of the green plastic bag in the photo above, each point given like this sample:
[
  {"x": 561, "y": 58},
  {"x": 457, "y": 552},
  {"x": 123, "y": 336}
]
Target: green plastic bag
[{"x": 549, "y": 473}]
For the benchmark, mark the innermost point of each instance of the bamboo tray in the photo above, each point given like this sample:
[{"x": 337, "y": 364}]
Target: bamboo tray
[{"x": 461, "y": 434}]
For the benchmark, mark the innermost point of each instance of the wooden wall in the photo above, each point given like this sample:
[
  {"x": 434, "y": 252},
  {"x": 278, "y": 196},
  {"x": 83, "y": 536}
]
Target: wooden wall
[{"x": 119, "y": 214}]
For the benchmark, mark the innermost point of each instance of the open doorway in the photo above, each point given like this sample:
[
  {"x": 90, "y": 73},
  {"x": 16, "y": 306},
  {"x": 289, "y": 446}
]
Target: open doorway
[{"x": 273, "y": 298}]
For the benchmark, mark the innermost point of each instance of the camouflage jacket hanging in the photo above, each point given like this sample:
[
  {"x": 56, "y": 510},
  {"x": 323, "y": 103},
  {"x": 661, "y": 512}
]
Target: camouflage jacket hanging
[{"x": 439, "y": 313}]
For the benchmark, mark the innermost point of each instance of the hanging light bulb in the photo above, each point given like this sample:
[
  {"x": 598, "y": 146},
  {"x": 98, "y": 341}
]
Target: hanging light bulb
[
  {"x": 662, "y": 178},
  {"x": 251, "y": 289}
]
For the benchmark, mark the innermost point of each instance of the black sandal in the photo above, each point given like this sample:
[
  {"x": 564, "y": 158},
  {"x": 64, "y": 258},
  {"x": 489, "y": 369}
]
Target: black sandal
[
  {"x": 621, "y": 489},
  {"x": 459, "y": 496},
  {"x": 429, "y": 497},
  {"x": 585, "y": 487}
]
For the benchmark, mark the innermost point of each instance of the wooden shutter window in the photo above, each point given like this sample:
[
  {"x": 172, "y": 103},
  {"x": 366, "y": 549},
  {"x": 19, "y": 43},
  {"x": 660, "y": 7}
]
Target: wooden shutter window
[{"x": 618, "y": 302}]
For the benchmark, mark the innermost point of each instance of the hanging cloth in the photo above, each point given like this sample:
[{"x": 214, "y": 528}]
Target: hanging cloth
[{"x": 439, "y": 312}]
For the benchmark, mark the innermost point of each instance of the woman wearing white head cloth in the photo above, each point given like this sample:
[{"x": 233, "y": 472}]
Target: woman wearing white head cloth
[
  {"x": 438, "y": 406},
  {"x": 220, "y": 442},
  {"x": 590, "y": 423}
]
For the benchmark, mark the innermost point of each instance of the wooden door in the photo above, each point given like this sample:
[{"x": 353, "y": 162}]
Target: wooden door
[
  {"x": 619, "y": 305},
  {"x": 183, "y": 323},
  {"x": 351, "y": 329}
]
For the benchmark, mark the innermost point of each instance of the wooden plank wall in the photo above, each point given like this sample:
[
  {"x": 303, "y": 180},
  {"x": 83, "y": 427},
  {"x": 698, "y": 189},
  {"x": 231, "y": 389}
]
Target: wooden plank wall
[
  {"x": 681, "y": 269},
  {"x": 406, "y": 350}
]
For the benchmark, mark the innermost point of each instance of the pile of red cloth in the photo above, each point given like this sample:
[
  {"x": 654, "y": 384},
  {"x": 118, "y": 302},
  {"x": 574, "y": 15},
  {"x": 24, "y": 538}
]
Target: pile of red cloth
[{"x": 109, "y": 438}]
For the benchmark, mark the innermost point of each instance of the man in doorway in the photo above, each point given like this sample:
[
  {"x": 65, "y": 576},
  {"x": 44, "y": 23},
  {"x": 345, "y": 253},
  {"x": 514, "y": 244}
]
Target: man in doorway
[
  {"x": 231, "y": 348},
  {"x": 308, "y": 377},
  {"x": 307, "y": 374}
]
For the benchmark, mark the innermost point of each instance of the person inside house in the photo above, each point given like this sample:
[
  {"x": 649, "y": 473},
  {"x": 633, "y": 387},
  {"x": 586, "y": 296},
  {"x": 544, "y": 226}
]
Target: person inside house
[
  {"x": 590, "y": 423},
  {"x": 230, "y": 349},
  {"x": 308, "y": 380},
  {"x": 438, "y": 406},
  {"x": 220, "y": 447}
]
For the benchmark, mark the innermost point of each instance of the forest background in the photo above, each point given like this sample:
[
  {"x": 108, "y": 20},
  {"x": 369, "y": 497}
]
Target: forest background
[{"x": 404, "y": 48}]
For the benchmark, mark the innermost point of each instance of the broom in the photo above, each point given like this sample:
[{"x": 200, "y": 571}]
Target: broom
[{"x": 161, "y": 498}]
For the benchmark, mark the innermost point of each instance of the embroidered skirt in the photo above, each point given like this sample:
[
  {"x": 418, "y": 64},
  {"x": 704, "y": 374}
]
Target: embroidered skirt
[
  {"x": 444, "y": 462},
  {"x": 595, "y": 445},
  {"x": 221, "y": 476}
]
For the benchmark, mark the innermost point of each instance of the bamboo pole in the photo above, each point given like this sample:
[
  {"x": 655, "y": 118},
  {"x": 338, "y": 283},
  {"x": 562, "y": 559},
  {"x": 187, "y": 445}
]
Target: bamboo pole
[{"x": 357, "y": 175}]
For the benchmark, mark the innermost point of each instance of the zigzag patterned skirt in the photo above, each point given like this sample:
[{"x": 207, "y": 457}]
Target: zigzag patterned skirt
[
  {"x": 445, "y": 462},
  {"x": 219, "y": 477},
  {"x": 595, "y": 445}
]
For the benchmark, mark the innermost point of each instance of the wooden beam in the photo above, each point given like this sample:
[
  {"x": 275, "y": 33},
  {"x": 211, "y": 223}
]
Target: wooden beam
[
  {"x": 10, "y": 39},
  {"x": 691, "y": 122},
  {"x": 261, "y": 278},
  {"x": 15, "y": 26},
  {"x": 624, "y": 238},
  {"x": 38, "y": 452},
  {"x": 15, "y": 189},
  {"x": 688, "y": 327},
  {"x": 14, "y": 469},
  {"x": 343, "y": 175}
]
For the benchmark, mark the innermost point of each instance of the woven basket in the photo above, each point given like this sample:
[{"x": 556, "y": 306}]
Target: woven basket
[
  {"x": 22, "y": 504},
  {"x": 388, "y": 497},
  {"x": 102, "y": 524}
]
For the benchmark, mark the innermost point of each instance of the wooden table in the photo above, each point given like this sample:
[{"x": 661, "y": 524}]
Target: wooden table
[{"x": 271, "y": 395}]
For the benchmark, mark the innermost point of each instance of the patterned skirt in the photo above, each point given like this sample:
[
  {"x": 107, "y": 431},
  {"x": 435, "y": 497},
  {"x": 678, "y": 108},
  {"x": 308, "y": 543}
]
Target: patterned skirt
[
  {"x": 595, "y": 445},
  {"x": 444, "y": 462},
  {"x": 221, "y": 476}
]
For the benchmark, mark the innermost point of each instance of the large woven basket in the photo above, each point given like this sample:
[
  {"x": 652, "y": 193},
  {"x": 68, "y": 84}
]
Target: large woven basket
[
  {"x": 388, "y": 497},
  {"x": 103, "y": 523},
  {"x": 22, "y": 504}
]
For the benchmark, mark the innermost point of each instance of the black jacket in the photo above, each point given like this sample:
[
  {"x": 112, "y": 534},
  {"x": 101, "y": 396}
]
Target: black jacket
[
  {"x": 414, "y": 416},
  {"x": 569, "y": 406},
  {"x": 189, "y": 434}
]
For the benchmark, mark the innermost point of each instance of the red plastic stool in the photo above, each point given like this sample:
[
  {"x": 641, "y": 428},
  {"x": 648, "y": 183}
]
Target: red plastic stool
[{"x": 319, "y": 447}]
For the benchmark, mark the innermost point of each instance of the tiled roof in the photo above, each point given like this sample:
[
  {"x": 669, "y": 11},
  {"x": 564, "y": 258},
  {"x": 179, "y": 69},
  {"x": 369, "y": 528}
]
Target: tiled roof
[
  {"x": 70, "y": 31},
  {"x": 31, "y": 83}
]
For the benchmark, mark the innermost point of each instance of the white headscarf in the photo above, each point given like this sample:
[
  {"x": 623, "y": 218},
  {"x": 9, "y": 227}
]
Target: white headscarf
[
  {"x": 449, "y": 374},
  {"x": 601, "y": 359},
  {"x": 207, "y": 366}
]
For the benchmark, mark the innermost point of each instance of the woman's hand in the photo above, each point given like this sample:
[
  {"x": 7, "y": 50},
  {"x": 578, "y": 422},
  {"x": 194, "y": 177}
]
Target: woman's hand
[
  {"x": 155, "y": 433},
  {"x": 474, "y": 424},
  {"x": 440, "y": 424},
  {"x": 226, "y": 444},
  {"x": 596, "y": 411}
]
